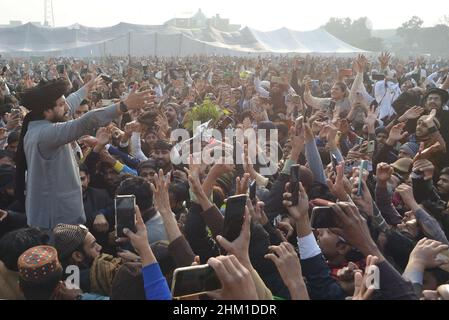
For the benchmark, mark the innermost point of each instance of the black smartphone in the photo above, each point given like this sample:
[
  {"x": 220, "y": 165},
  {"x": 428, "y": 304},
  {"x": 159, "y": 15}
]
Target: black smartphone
[
  {"x": 195, "y": 280},
  {"x": 106, "y": 78},
  {"x": 234, "y": 215},
  {"x": 224, "y": 123},
  {"x": 252, "y": 192},
  {"x": 124, "y": 214},
  {"x": 60, "y": 68},
  {"x": 322, "y": 218},
  {"x": 294, "y": 183},
  {"x": 360, "y": 140},
  {"x": 378, "y": 77}
]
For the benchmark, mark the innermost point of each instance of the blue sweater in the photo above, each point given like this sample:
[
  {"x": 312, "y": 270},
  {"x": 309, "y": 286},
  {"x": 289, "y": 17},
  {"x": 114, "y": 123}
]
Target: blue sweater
[{"x": 156, "y": 287}]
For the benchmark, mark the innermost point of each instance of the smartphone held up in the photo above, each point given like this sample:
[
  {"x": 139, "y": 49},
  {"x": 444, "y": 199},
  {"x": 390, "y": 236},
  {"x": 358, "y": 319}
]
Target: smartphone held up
[
  {"x": 295, "y": 179},
  {"x": 193, "y": 281},
  {"x": 125, "y": 214},
  {"x": 234, "y": 217},
  {"x": 323, "y": 218}
]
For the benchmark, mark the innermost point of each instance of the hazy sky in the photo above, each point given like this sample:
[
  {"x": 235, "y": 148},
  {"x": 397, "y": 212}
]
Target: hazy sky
[{"x": 260, "y": 14}]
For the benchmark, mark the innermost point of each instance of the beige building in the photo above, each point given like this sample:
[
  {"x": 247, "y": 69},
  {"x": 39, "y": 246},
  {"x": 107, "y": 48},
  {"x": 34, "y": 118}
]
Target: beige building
[{"x": 199, "y": 21}]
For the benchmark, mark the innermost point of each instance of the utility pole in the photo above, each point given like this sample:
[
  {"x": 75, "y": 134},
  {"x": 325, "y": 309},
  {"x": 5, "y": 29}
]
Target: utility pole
[{"x": 49, "y": 17}]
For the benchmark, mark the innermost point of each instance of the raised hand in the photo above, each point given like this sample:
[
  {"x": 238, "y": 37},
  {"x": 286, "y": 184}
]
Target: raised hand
[
  {"x": 412, "y": 113},
  {"x": 138, "y": 100},
  {"x": 429, "y": 119},
  {"x": 384, "y": 59},
  {"x": 94, "y": 83},
  {"x": 88, "y": 141},
  {"x": 365, "y": 201},
  {"x": 345, "y": 277},
  {"x": 426, "y": 153},
  {"x": 242, "y": 184},
  {"x": 362, "y": 62},
  {"x": 361, "y": 291},
  {"x": 240, "y": 246},
  {"x": 359, "y": 64},
  {"x": 139, "y": 239},
  {"x": 406, "y": 193},
  {"x": 302, "y": 209},
  {"x": 337, "y": 187},
  {"x": 424, "y": 166},
  {"x": 131, "y": 127},
  {"x": 162, "y": 123},
  {"x": 425, "y": 255},
  {"x": 160, "y": 192},
  {"x": 353, "y": 228},
  {"x": 331, "y": 136},
  {"x": 236, "y": 280},
  {"x": 257, "y": 213},
  {"x": 372, "y": 116},
  {"x": 384, "y": 172},
  {"x": 195, "y": 183},
  {"x": 103, "y": 136},
  {"x": 196, "y": 167},
  {"x": 397, "y": 134},
  {"x": 287, "y": 262}
]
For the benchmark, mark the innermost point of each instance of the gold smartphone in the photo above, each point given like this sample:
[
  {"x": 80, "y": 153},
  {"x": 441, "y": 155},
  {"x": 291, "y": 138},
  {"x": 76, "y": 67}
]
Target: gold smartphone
[{"x": 193, "y": 281}]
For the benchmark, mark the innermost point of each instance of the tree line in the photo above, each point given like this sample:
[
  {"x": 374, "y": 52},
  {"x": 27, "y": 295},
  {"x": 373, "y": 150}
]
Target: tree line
[{"x": 414, "y": 39}]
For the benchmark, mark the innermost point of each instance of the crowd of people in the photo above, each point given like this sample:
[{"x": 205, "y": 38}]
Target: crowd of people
[{"x": 76, "y": 133}]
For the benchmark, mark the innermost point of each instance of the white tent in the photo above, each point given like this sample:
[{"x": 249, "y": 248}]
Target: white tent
[{"x": 139, "y": 40}]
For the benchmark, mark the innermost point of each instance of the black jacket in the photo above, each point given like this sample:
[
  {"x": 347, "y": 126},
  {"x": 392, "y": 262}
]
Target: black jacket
[{"x": 95, "y": 200}]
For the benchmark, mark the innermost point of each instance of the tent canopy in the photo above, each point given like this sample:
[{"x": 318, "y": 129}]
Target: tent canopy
[{"x": 163, "y": 40}]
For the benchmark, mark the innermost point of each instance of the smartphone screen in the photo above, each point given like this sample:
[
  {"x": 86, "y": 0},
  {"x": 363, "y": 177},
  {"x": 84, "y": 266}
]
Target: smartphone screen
[
  {"x": 234, "y": 214},
  {"x": 61, "y": 69},
  {"x": 194, "y": 280},
  {"x": 252, "y": 191},
  {"x": 294, "y": 183},
  {"x": 125, "y": 214},
  {"x": 360, "y": 141},
  {"x": 323, "y": 217},
  {"x": 363, "y": 167}
]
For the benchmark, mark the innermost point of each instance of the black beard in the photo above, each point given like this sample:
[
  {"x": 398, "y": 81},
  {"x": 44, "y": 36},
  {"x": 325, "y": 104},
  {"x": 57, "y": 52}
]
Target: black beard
[
  {"x": 434, "y": 106},
  {"x": 63, "y": 119},
  {"x": 86, "y": 263}
]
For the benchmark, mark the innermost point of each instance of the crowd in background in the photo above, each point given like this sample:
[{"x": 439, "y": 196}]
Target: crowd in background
[{"x": 388, "y": 111}]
